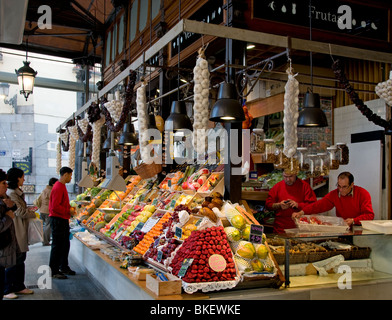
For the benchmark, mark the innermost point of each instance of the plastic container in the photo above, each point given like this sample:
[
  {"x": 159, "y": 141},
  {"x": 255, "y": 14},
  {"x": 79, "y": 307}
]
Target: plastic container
[
  {"x": 333, "y": 157},
  {"x": 269, "y": 153},
  {"x": 321, "y": 223},
  {"x": 257, "y": 141},
  {"x": 343, "y": 153}
]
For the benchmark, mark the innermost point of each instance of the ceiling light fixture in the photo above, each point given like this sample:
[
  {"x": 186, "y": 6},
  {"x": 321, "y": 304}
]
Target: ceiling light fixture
[
  {"x": 311, "y": 115},
  {"x": 26, "y": 76},
  {"x": 227, "y": 108},
  {"x": 178, "y": 118}
]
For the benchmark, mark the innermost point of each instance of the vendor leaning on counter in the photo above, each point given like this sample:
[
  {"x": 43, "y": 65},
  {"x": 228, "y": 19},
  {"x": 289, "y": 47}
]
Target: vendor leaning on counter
[
  {"x": 352, "y": 203},
  {"x": 286, "y": 197}
]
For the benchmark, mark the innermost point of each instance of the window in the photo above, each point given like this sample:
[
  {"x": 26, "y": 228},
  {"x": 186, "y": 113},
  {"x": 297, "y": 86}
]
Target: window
[
  {"x": 133, "y": 22},
  {"x": 114, "y": 42},
  {"x": 121, "y": 35},
  {"x": 143, "y": 15},
  {"x": 155, "y": 7},
  {"x": 108, "y": 46}
]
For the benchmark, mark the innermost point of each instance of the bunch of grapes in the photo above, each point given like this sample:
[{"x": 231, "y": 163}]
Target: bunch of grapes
[
  {"x": 181, "y": 207},
  {"x": 93, "y": 112}
]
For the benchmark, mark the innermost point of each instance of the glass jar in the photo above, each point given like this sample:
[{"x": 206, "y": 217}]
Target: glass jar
[
  {"x": 314, "y": 170},
  {"x": 281, "y": 160},
  {"x": 333, "y": 157},
  {"x": 343, "y": 153},
  {"x": 257, "y": 141},
  {"x": 301, "y": 158},
  {"x": 324, "y": 163},
  {"x": 269, "y": 152}
]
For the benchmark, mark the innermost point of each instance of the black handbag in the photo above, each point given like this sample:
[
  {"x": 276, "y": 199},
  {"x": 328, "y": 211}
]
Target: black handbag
[{"x": 5, "y": 236}]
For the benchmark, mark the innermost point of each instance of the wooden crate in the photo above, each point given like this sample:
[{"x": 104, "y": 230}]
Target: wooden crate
[{"x": 164, "y": 288}]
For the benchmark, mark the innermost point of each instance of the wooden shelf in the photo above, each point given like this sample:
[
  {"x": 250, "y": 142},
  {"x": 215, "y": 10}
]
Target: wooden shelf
[{"x": 254, "y": 195}]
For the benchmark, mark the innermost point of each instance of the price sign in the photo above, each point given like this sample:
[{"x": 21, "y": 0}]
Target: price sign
[
  {"x": 139, "y": 226},
  {"x": 159, "y": 256},
  {"x": 178, "y": 232},
  {"x": 173, "y": 203},
  {"x": 184, "y": 267},
  {"x": 256, "y": 233},
  {"x": 154, "y": 203}
]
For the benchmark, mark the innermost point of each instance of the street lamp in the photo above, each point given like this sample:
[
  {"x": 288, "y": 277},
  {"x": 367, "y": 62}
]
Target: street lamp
[{"x": 26, "y": 77}]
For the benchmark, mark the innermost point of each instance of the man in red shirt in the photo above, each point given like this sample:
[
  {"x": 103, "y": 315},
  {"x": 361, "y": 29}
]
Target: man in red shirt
[
  {"x": 60, "y": 212},
  {"x": 287, "y": 196},
  {"x": 352, "y": 203}
]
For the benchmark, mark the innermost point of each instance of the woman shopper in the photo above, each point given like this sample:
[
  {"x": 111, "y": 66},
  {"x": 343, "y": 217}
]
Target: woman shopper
[
  {"x": 43, "y": 205},
  {"x": 14, "y": 276},
  {"x": 8, "y": 244}
]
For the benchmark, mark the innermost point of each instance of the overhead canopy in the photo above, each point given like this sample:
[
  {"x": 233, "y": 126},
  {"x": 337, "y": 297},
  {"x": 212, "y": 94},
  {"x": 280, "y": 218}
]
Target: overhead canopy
[{"x": 71, "y": 29}]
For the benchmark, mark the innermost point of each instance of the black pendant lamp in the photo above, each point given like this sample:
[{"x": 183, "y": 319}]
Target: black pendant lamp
[
  {"x": 178, "y": 119},
  {"x": 128, "y": 136},
  {"x": 311, "y": 115},
  {"x": 227, "y": 108},
  {"x": 107, "y": 143}
]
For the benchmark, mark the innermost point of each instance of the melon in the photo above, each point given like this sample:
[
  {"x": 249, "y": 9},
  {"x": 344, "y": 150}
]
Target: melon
[
  {"x": 242, "y": 264},
  {"x": 233, "y": 234},
  {"x": 238, "y": 222},
  {"x": 108, "y": 217},
  {"x": 268, "y": 267},
  {"x": 257, "y": 265},
  {"x": 262, "y": 251},
  {"x": 246, "y": 232},
  {"x": 98, "y": 203},
  {"x": 99, "y": 225},
  {"x": 246, "y": 250}
]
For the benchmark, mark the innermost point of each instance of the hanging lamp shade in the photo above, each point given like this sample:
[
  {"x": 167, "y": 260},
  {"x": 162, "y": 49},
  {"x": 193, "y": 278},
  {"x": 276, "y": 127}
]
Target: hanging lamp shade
[
  {"x": 26, "y": 77},
  {"x": 311, "y": 115},
  {"x": 107, "y": 143},
  {"x": 178, "y": 119},
  {"x": 227, "y": 108},
  {"x": 128, "y": 137}
]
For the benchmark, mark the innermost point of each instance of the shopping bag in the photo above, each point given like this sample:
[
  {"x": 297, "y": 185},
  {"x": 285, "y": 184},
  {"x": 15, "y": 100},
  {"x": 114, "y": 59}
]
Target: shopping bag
[{"x": 35, "y": 231}]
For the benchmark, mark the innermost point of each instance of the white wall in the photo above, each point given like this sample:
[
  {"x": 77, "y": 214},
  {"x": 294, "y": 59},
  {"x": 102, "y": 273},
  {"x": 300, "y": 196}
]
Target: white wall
[{"x": 365, "y": 160}]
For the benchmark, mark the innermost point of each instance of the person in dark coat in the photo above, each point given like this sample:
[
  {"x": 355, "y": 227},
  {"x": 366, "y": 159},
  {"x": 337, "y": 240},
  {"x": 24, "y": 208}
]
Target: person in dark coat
[{"x": 8, "y": 244}]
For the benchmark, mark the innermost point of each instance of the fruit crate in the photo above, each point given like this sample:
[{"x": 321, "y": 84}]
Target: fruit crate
[
  {"x": 214, "y": 183},
  {"x": 163, "y": 288}
]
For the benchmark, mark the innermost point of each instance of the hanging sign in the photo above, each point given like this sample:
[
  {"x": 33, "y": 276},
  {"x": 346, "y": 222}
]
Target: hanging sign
[
  {"x": 211, "y": 12},
  {"x": 358, "y": 20}
]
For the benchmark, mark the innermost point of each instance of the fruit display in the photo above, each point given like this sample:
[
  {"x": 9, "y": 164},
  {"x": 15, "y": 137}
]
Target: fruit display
[
  {"x": 200, "y": 246},
  {"x": 196, "y": 180},
  {"x": 166, "y": 225},
  {"x": 211, "y": 182},
  {"x": 251, "y": 258},
  {"x": 154, "y": 233}
]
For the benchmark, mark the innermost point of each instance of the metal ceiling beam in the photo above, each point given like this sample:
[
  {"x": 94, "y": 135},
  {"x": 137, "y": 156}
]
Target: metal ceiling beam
[
  {"x": 48, "y": 83},
  {"x": 221, "y": 31}
]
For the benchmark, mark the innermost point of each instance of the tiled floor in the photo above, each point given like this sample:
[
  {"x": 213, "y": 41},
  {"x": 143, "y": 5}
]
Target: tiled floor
[{"x": 77, "y": 287}]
